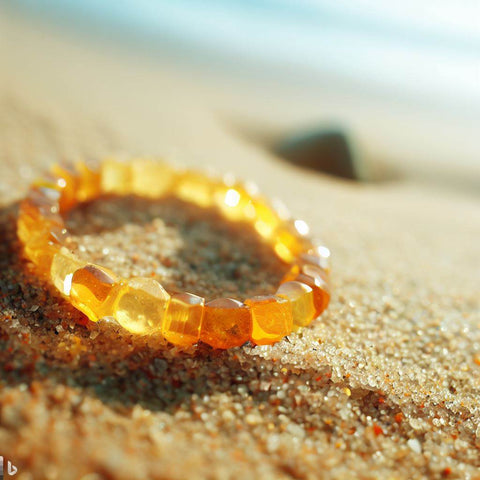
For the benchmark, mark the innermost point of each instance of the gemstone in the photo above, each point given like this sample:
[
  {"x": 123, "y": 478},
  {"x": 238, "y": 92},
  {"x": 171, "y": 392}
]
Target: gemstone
[
  {"x": 195, "y": 188},
  {"x": 67, "y": 181},
  {"x": 89, "y": 182},
  {"x": 91, "y": 287},
  {"x": 64, "y": 265},
  {"x": 140, "y": 305},
  {"x": 116, "y": 177},
  {"x": 226, "y": 323},
  {"x": 151, "y": 179},
  {"x": 301, "y": 301},
  {"x": 266, "y": 220},
  {"x": 183, "y": 319},
  {"x": 271, "y": 318}
]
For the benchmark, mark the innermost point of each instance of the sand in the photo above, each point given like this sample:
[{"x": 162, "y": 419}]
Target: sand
[{"x": 384, "y": 385}]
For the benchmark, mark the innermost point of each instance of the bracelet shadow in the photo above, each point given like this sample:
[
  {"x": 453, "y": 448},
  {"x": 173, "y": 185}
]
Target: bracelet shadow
[{"x": 44, "y": 339}]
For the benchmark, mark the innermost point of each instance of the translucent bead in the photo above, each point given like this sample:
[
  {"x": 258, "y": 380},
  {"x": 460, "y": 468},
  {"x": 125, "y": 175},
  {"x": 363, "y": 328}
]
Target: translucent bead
[
  {"x": 91, "y": 287},
  {"x": 195, "y": 188},
  {"x": 152, "y": 179},
  {"x": 64, "y": 265},
  {"x": 89, "y": 182},
  {"x": 320, "y": 288},
  {"x": 307, "y": 269},
  {"x": 301, "y": 300},
  {"x": 67, "y": 180},
  {"x": 226, "y": 323},
  {"x": 289, "y": 243},
  {"x": 318, "y": 255},
  {"x": 183, "y": 319},
  {"x": 116, "y": 177},
  {"x": 266, "y": 219},
  {"x": 271, "y": 318},
  {"x": 234, "y": 203},
  {"x": 140, "y": 305}
]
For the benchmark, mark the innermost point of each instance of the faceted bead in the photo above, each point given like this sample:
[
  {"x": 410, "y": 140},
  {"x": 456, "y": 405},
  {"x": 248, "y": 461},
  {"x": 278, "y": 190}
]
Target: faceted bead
[
  {"x": 183, "y": 319},
  {"x": 67, "y": 180},
  {"x": 266, "y": 219},
  {"x": 140, "y": 305},
  {"x": 234, "y": 203},
  {"x": 271, "y": 318},
  {"x": 288, "y": 243},
  {"x": 116, "y": 177},
  {"x": 319, "y": 255},
  {"x": 89, "y": 182},
  {"x": 152, "y": 179},
  {"x": 195, "y": 188},
  {"x": 301, "y": 300},
  {"x": 320, "y": 288},
  {"x": 91, "y": 287},
  {"x": 226, "y": 323},
  {"x": 64, "y": 265},
  {"x": 307, "y": 269}
]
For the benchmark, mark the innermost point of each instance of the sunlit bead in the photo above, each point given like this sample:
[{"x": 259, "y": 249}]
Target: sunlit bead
[
  {"x": 288, "y": 243},
  {"x": 266, "y": 220},
  {"x": 300, "y": 266},
  {"x": 152, "y": 179},
  {"x": 318, "y": 255},
  {"x": 64, "y": 265},
  {"x": 89, "y": 182},
  {"x": 140, "y": 305},
  {"x": 67, "y": 180},
  {"x": 91, "y": 287},
  {"x": 195, "y": 188},
  {"x": 226, "y": 323},
  {"x": 116, "y": 177},
  {"x": 271, "y": 318},
  {"x": 235, "y": 203},
  {"x": 320, "y": 288},
  {"x": 301, "y": 300},
  {"x": 183, "y": 319}
]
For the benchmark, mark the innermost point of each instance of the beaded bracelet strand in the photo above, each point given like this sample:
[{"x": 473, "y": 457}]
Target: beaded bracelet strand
[{"x": 142, "y": 305}]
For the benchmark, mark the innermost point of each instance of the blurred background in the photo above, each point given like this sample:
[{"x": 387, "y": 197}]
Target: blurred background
[{"x": 364, "y": 89}]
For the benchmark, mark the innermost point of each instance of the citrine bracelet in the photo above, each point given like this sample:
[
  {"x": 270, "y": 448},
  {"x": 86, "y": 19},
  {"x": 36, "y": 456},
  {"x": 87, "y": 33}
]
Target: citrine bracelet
[{"x": 142, "y": 305}]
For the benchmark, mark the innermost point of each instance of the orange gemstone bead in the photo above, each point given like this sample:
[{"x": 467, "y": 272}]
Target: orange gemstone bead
[
  {"x": 116, "y": 177},
  {"x": 89, "y": 182},
  {"x": 152, "y": 179},
  {"x": 320, "y": 288},
  {"x": 67, "y": 181},
  {"x": 91, "y": 287},
  {"x": 301, "y": 301},
  {"x": 226, "y": 323},
  {"x": 183, "y": 320},
  {"x": 271, "y": 318}
]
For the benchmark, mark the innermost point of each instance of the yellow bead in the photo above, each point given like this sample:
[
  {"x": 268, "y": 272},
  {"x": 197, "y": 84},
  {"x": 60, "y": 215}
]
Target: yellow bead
[
  {"x": 226, "y": 323},
  {"x": 289, "y": 243},
  {"x": 140, "y": 305},
  {"x": 234, "y": 203},
  {"x": 91, "y": 287},
  {"x": 271, "y": 318},
  {"x": 152, "y": 179},
  {"x": 67, "y": 181},
  {"x": 89, "y": 182},
  {"x": 301, "y": 300},
  {"x": 183, "y": 319},
  {"x": 116, "y": 177},
  {"x": 195, "y": 188},
  {"x": 64, "y": 265},
  {"x": 266, "y": 219}
]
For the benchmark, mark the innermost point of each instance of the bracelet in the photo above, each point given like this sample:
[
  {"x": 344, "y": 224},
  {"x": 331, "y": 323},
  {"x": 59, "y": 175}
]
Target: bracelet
[{"x": 142, "y": 305}]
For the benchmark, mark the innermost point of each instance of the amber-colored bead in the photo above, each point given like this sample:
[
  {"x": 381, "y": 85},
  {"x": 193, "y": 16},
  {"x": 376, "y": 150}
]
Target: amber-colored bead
[
  {"x": 266, "y": 219},
  {"x": 234, "y": 203},
  {"x": 91, "y": 287},
  {"x": 152, "y": 179},
  {"x": 289, "y": 243},
  {"x": 183, "y": 319},
  {"x": 89, "y": 182},
  {"x": 226, "y": 323},
  {"x": 140, "y": 305},
  {"x": 301, "y": 300},
  {"x": 116, "y": 177},
  {"x": 318, "y": 255},
  {"x": 64, "y": 265},
  {"x": 320, "y": 288},
  {"x": 271, "y": 318},
  {"x": 67, "y": 180},
  {"x": 195, "y": 188}
]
